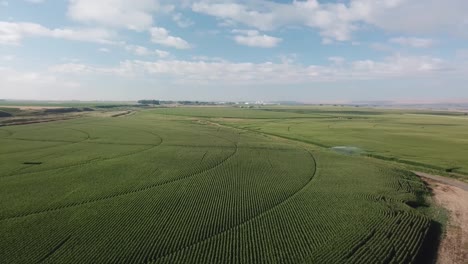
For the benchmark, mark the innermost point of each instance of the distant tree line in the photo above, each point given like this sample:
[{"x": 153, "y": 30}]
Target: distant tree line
[
  {"x": 192, "y": 103},
  {"x": 160, "y": 102},
  {"x": 149, "y": 102}
]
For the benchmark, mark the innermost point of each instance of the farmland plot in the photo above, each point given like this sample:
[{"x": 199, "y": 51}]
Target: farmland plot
[{"x": 151, "y": 189}]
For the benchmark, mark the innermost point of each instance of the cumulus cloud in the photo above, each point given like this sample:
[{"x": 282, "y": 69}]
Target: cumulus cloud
[
  {"x": 35, "y": 1},
  {"x": 413, "y": 42},
  {"x": 12, "y": 33},
  {"x": 417, "y": 16},
  {"x": 338, "y": 20},
  {"x": 31, "y": 85},
  {"x": 143, "y": 51},
  {"x": 253, "y": 38},
  {"x": 337, "y": 60},
  {"x": 181, "y": 20},
  {"x": 334, "y": 21},
  {"x": 236, "y": 12},
  {"x": 462, "y": 54},
  {"x": 134, "y": 15},
  {"x": 161, "y": 36},
  {"x": 396, "y": 66},
  {"x": 7, "y": 58},
  {"x": 161, "y": 53}
]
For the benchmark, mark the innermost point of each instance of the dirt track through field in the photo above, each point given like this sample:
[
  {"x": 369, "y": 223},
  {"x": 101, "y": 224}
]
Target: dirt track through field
[{"x": 452, "y": 195}]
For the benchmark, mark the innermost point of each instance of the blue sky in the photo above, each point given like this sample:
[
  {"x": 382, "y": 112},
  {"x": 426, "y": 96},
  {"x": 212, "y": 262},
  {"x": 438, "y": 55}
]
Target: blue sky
[{"x": 311, "y": 51}]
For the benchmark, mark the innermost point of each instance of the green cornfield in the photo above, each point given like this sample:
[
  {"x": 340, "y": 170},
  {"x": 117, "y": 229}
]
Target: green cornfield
[{"x": 170, "y": 186}]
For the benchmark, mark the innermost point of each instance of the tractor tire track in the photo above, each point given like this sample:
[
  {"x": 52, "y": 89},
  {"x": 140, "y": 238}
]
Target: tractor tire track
[
  {"x": 71, "y": 142},
  {"x": 48, "y": 147}
]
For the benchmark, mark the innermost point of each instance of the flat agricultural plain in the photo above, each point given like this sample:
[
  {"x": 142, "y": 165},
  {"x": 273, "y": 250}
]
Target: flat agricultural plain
[{"x": 224, "y": 185}]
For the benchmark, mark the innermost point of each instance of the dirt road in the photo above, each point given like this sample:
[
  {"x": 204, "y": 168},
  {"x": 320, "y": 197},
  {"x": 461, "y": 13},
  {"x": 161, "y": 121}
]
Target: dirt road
[{"x": 452, "y": 195}]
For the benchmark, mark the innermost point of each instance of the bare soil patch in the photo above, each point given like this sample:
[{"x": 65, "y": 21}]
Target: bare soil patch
[{"x": 454, "y": 197}]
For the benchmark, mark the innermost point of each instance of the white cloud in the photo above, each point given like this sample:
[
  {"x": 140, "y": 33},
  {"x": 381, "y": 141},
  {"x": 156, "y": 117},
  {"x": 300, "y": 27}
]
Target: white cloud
[
  {"x": 181, "y": 20},
  {"x": 7, "y": 57},
  {"x": 417, "y": 16},
  {"x": 384, "y": 47},
  {"x": 134, "y": 15},
  {"x": 143, "y": 51},
  {"x": 138, "y": 50},
  {"x": 13, "y": 33},
  {"x": 337, "y": 60},
  {"x": 337, "y": 20},
  {"x": 162, "y": 53},
  {"x": 253, "y": 38},
  {"x": 125, "y": 69},
  {"x": 207, "y": 71},
  {"x": 398, "y": 66},
  {"x": 161, "y": 36},
  {"x": 236, "y": 12},
  {"x": 31, "y": 85},
  {"x": 288, "y": 58},
  {"x": 413, "y": 42},
  {"x": 105, "y": 50},
  {"x": 208, "y": 59},
  {"x": 71, "y": 67},
  {"x": 73, "y": 79},
  {"x": 35, "y": 1},
  {"x": 462, "y": 54}
]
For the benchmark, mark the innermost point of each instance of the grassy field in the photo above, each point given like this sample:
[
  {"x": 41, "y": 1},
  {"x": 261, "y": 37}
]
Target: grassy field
[
  {"x": 427, "y": 139},
  {"x": 209, "y": 185}
]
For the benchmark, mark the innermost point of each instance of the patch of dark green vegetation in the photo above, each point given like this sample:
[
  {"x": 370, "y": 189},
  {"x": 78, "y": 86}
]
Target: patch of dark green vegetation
[
  {"x": 112, "y": 106},
  {"x": 409, "y": 162},
  {"x": 122, "y": 114},
  {"x": 5, "y": 114},
  {"x": 120, "y": 106},
  {"x": 453, "y": 169},
  {"x": 67, "y": 110},
  {"x": 441, "y": 113}
]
